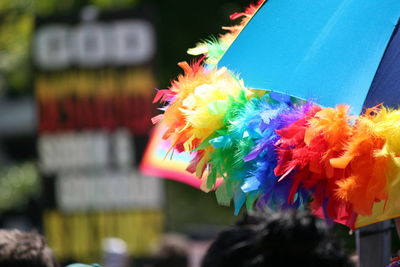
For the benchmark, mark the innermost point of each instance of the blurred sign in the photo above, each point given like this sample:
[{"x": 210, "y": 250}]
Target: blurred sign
[
  {"x": 80, "y": 235},
  {"x": 123, "y": 42},
  {"x": 103, "y": 99},
  {"x": 91, "y": 150},
  {"x": 94, "y": 85},
  {"x": 108, "y": 191}
]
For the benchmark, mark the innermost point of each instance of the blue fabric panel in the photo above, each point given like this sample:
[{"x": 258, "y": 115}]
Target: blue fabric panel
[
  {"x": 324, "y": 50},
  {"x": 385, "y": 87}
]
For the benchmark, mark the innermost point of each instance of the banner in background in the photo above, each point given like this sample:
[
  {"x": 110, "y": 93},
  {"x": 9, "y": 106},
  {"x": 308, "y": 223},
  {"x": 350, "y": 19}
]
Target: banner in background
[
  {"x": 159, "y": 160},
  {"x": 94, "y": 84},
  {"x": 80, "y": 235}
]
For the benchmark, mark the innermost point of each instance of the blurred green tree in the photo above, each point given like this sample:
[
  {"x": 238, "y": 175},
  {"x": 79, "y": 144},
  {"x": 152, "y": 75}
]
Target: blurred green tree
[{"x": 16, "y": 27}]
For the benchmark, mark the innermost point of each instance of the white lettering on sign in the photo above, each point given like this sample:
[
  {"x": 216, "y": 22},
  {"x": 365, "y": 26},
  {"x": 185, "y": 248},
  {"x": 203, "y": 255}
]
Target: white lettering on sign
[
  {"x": 133, "y": 42},
  {"x": 108, "y": 190},
  {"x": 89, "y": 44},
  {"x": 51, "y": 47},
  {"x": 85, "y": 150},
  {"x": 125, "y": 42}
]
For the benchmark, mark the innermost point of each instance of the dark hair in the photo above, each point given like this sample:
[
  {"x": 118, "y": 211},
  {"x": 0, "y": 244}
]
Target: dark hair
[
  {"x": 172, "y": 252},
  {"x": 19, "y": 249},
  {"x": 287, "y": 238}
]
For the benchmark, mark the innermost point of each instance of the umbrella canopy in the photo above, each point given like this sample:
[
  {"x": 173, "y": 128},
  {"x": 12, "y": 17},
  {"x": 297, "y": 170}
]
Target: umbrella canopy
[
  {"x": 277, "y": 116},
  {"x": 385, "y": 87},
  {"x": 327, "y": 51}
]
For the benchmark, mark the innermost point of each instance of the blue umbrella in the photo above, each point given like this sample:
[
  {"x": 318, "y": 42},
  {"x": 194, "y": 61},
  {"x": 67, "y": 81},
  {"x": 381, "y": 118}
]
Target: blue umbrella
[{"x": 329, "y": 51}]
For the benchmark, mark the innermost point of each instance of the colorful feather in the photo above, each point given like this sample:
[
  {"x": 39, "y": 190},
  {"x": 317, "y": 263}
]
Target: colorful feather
[
  {"x": 305, "y": 150},
  {"x": 244, "y": 154},
  {"x": 261, "y": 177},
  {"x": 197, "y": 103},
  {"x": 368, "y": 158},
  {"x": 214, "y": 48}
]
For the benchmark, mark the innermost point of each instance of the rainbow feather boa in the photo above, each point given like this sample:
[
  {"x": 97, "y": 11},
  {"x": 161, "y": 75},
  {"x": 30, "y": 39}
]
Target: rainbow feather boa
[{"x": 276, "y": 151}]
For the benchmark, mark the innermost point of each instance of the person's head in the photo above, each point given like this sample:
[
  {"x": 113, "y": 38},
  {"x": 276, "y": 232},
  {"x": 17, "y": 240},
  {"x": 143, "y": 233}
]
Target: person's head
[
  {"x": 287, "y": 238},
  {"x": 172, "y": 251},
  {"x": 20, "y": 249}
]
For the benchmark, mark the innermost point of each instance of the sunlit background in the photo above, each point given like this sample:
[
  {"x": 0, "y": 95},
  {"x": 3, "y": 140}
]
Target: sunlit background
[{"x": 77, "y": 79}]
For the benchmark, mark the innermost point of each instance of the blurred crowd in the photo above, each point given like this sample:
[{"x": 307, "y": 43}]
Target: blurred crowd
[{"x": 258, "y": 239}]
